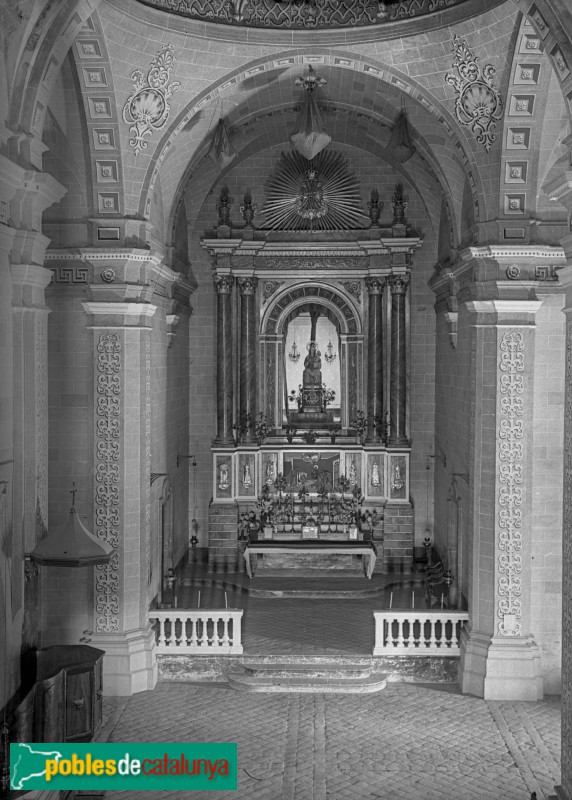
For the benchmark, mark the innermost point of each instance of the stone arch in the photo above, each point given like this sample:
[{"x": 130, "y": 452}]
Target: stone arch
[
  {"x": 370, "y": 68},
  {"x": 336, "y": 300}
]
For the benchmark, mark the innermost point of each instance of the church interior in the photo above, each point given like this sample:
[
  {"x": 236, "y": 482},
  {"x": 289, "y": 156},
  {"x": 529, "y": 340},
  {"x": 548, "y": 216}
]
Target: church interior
[{"x": 286, "y": 348}]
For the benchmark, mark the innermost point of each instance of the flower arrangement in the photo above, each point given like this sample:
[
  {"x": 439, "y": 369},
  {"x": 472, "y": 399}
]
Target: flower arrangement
[{"x": 261, "y": 427}]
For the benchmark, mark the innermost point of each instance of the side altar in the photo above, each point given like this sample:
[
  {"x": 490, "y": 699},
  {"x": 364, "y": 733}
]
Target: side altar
[{"x": 312, "y": 369}]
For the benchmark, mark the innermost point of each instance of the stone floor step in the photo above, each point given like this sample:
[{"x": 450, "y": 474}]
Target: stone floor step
[
  {"x": 306, "y": 669},
  {"x": 306, "y": 684}
]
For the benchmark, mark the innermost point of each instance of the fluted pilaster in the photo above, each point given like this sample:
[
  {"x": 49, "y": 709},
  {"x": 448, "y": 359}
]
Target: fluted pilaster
[
  {"x": 398, "y": 388},
  {"x": 224, "y": 384},
  {"x": 375, "y": 358}
]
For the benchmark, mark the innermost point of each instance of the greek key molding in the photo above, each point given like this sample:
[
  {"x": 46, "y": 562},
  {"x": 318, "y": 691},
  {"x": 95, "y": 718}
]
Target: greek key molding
[
  {"x": 479, "y": 103},
  {"x": 509, "y": 482},
  {"x": 147, "y": 108},
  {"x": 70, "y": 275},
  {"x": 107, "y": 435}
]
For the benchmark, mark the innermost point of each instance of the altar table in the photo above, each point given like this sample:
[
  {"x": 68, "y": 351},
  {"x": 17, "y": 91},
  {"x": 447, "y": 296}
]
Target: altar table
[{"x": 310, "y": 546}]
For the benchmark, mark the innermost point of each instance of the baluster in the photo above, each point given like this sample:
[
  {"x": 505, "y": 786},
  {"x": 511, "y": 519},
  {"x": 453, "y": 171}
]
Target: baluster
[
  {"x": 162, "y": 637},
  {"x": 432, "y": 633},
  {"x": 413, "y": 641},
  {"x": 400, "y": 638},
  {"x": 225, "y": 637},
  {"x": 237, "y": 629},
  {"x": 178, "y": 639},
  {"x": 205, "y": 636},
  {"x": 193, "y": 641}
]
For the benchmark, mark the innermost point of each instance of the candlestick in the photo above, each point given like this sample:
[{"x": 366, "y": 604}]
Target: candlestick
[
  {"x": 391, "y": 599},
  {"x": 441, "y": 602},
  {"x": 199, "y": 602},
  {"x": 176, "y": 601},
  {"x": 413, "y": 599},
  {"x": 225, "y": 601}
]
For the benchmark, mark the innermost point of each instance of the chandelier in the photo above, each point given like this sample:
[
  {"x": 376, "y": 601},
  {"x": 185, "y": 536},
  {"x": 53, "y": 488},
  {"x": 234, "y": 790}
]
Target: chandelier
[
  {"x": 329, "y": 354},
  {"x": 294, "y": 353},
  {"x": 310, "y": 138}
]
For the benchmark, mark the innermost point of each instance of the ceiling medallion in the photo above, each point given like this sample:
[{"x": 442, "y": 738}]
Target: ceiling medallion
[
  {"x": 307, "y": 195},
  {"x": 303, "y": 14},
  {"x": 147, "y": 107},
  {"x": 479, "y": 103}
]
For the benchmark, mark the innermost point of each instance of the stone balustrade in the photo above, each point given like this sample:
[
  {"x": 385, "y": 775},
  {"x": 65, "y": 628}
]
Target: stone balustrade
[
  {"x": 418, "y": 632},
  {"x": 200, "y": 631}
]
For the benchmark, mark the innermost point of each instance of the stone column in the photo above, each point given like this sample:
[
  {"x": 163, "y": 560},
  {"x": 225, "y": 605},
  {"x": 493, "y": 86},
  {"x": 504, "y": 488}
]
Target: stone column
[
  {"x": 398, "y": 386},
  {"x": 374, "y": 358},
  {"x": 564, "y": 791},
  {"x": 499, "y": 657},
  {"x": 248, "y": 354},
  {"x": 120, "y": 318},
  {"x": 224, "y": 375}
]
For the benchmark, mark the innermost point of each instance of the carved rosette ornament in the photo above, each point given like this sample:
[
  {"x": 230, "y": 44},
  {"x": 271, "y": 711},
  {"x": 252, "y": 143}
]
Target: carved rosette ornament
[
  {"x": 479, "y": 103},
  {"x": 107, "y": 433},
  {"x": 510, "y": 478},
  {"x": 147, "y": 108}
]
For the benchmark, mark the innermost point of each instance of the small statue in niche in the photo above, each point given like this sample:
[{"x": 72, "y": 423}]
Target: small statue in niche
[
  {"x": 270, "y": 472},
  {"x": 375, "y": 480},
  {"x": 397, "y": 482},
  {"x": 223, "y": 482},
  {"x": 399, "y": 205},
  {"x": 223, "y": 207},
  {"x": 247, "y": 477},
  {"x": 248, "y": 210},
  {"x": 352, "y": 474},
  {"x": 312, "y": 375}
]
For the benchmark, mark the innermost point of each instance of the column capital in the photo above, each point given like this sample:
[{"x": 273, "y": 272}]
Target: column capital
[
  {"x": 505, "y": 312},
  {"x": 37, "y": 191},
  {"x": 224, "y": 283},
  {"x": 398, "y": 283},
  {"x": 247, "y": 285},
  {"x": 28, "y": 284},
  {"x": 375, "y": 285},
  {"x": 120, "y": 315}
]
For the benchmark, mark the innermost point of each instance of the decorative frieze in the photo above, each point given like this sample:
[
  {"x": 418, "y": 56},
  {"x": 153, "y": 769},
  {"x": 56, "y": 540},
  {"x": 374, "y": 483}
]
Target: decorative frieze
[
  {"x": 509, "y": 480},
  {"x": 107, "y": 434}
]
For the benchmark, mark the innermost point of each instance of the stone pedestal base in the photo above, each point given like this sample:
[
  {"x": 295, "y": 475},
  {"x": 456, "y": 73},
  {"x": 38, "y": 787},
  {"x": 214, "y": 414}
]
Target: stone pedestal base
[
  {"x": 130, "y": 663},
  {"x": 500, "y": 669}
]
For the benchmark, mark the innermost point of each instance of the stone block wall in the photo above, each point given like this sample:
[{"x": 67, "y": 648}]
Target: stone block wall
[{"x": 398, "y": 523}]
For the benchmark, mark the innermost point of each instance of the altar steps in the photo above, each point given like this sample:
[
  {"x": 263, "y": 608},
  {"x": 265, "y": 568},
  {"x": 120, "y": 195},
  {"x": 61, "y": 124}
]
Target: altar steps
[{"x": 305, "y": 677}]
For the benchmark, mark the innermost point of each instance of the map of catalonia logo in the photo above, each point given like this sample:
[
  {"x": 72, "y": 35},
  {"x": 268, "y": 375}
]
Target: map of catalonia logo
[{"x": 128, "y": 765}]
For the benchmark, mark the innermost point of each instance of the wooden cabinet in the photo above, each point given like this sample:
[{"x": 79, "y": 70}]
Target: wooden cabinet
[{"x": 67, "y": 693}]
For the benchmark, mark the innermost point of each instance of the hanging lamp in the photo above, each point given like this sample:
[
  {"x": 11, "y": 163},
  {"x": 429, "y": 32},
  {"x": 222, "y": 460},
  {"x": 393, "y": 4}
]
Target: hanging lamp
[
  {"x": 400, "y": 147},
  {"x": 221, "y": 150},
  {"x": 71, "y": 545},
  {"x": 310, "y": 138}
]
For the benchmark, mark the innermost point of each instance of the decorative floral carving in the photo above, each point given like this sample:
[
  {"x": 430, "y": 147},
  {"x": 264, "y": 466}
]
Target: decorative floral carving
[
  {"x": 302, "y": 15},
  {"x": 567, "y": 569},
  {"x": 107, "y": 275},
  {"x": 354, "y": 288},
  {"x": 147, "y": 108},
  {"x": 479, "y": 103},
  {"x": 107, "y": 433},
  {"x": 41, "y": 355},
  {"x": 513, "y": 272},
  {"x": 510, "y": 457},
  {"x": 147, "y": 532}
]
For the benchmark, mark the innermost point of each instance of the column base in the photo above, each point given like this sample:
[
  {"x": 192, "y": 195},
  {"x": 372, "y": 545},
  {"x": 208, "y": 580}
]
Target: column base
[
  {"x": 496, "y": 668},
  {"x": 130, "y": 663}
]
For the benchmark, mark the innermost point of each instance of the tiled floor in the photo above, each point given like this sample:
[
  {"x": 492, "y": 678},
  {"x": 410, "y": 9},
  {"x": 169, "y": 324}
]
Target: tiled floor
[
  {"x": 405, "y": 743},
  {"x": 409, "y": 742}
]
